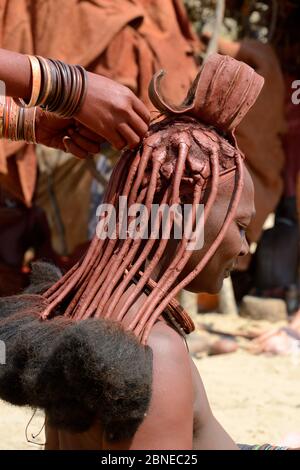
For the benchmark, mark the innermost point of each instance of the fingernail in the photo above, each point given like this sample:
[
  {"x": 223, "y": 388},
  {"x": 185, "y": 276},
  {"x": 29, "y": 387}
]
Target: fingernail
[{"x": 66, "y": 139}]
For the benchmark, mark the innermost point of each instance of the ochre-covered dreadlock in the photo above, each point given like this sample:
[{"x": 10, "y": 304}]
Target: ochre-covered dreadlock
[{"x": 78, "y": 363}]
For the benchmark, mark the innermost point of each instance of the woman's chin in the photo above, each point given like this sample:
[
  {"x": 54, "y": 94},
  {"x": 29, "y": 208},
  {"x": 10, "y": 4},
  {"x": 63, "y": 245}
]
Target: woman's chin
[
  {"x": 215, "y": 288},
  {"x": 211, "y": 289}
]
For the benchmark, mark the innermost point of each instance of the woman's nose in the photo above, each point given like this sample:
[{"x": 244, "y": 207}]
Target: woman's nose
[{"x": 245, "y": 248}]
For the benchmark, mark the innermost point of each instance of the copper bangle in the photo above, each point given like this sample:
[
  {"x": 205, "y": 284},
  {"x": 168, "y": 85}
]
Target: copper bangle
[
  {"x": 7, "y": 108},
  {"x": 58, "y": 94},
  {"x": 1, "y": 118},
  {"x": 74, "y": 84},
  {"x": 29, "y": 126},
  {"x": 84, "y": 87},
  {"x": 49, "y": 82},
  {"x": 26, "y": 125},
  {"x": 43, "y": 81},
  {"x": 77, "y": 93},
  {"x": 36, "y": 77},
  {"x": 23, "y": 126},
  {"x": 53, "y": 81},
  {"x": 20, "y": 128},
  {"x": 45, "y": 102},
  {"x": 53, "y": 90},
  {"x": 4, "y": 118},
  {"x": 15, "y": 118},
  {"x": 80, "y": 90},
  {"x": 46, "y": 81},
  {"x": 70, "y": 81},
  {"x": 66, "y": 87},
  {"x": 12, "y": 121},
  {"x": 17, "y": 123},
  {"x": 33, "y": 125},
  {"x": 36, "y": 80}
]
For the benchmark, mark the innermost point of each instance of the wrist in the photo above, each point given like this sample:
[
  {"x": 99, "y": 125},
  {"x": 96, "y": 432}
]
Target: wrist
[
  {"x": 16, "y": 74},
  {"x": 80, "y": 114}
]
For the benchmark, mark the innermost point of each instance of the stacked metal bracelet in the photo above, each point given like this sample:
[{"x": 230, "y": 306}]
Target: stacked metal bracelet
[
  {"x": 16, "y": 123},
  {"x": 57, "y": 87}
]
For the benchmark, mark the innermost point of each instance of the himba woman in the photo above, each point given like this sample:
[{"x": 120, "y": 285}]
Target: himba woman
[{"x": 102, "y": 349}]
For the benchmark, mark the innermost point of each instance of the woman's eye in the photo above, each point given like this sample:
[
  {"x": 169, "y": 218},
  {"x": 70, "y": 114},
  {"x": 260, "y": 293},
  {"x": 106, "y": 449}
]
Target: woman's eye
[{"x": 242, "y": 230}]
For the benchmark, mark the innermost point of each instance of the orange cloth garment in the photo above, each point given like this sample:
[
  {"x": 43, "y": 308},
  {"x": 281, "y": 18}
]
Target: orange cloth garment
[{"x": 164, "y": 40}]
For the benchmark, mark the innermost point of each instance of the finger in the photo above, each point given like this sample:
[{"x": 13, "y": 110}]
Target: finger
[
  {"x": 84, "y": 143},
  {"x": 129, "y": 135},
  {"x": 116, "y": 140},
  {"x": 112, "y": 136},
  {"x": 73, "y": 148},
  {"x": 138, "y": 125},
  {"x": 141, "y": 110},
  {"x": 89, "y": 134}
]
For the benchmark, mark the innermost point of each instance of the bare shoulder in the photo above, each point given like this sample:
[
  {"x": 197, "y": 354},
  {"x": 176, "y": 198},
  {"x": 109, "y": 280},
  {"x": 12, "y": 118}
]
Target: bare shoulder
[
  {"x": 169, "y": 421},
  {"x": 165, "y": 341}
]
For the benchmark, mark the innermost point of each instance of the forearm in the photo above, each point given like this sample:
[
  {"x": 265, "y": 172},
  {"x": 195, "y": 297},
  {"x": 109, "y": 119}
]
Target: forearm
[
  {"x": 108, "y": 109},
  {"x": 15, "y": 72}
]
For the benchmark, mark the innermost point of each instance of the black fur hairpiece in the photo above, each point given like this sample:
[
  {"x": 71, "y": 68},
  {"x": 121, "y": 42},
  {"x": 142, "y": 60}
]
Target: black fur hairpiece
[{"x": 78, "y": 372}]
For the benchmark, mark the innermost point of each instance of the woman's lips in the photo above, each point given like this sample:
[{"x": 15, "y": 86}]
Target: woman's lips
[{"x": 231, "y": 268}]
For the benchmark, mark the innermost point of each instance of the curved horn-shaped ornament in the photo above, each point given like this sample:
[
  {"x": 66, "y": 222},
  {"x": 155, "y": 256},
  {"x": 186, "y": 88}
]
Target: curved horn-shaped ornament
[
  {"x": 220, "y": 96},
  {"x": 160, "y": 102}
]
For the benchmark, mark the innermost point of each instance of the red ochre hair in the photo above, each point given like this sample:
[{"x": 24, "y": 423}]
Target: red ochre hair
[
  {"x": 67, "y": 351},
  {"x": 179, "y": 155}
]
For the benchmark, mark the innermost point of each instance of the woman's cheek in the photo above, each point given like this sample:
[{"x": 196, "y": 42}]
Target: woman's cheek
[{"x": 233, "y": 244}]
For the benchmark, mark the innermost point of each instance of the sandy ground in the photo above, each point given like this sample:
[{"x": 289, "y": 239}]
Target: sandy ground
[
  {"x": 13, "y": 422},
  {"x": 256, "y": 399}
]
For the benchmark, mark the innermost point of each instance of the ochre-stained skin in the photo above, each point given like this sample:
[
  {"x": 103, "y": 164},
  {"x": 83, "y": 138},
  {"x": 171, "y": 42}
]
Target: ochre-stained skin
[{"x": 221, "y": 95}]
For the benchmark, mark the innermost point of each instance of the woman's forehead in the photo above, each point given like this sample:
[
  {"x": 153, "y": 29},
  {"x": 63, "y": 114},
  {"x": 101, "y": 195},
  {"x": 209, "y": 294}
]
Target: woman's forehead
[{"x": 228, "y": 185}]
